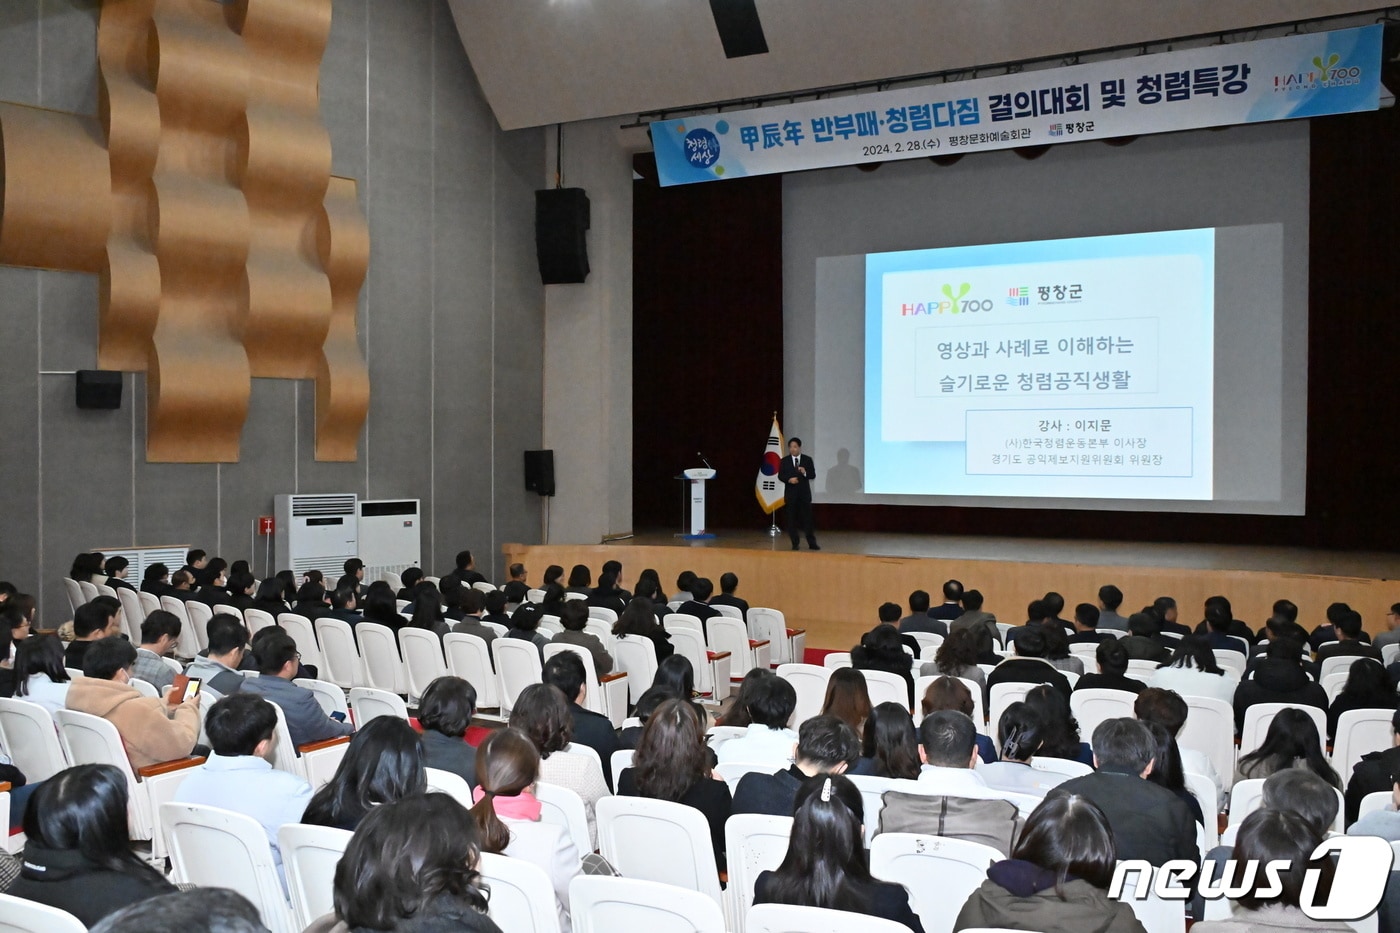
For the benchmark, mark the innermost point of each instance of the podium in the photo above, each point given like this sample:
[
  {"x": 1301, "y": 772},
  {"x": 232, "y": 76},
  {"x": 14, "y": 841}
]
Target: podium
[{"x": 695, "y": 486}]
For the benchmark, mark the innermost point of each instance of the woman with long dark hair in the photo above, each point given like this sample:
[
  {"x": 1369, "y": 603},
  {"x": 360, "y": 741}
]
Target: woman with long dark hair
[
  {"x": 1291, "y": 742},
  {"x": 1057, "y": 878},
  {"x": 1368, "y": 686},
  {"x": 889, "y": 744},
  {"x": 40, "y": 676},
  {"x": 384, "y": 763},
  {"x": 655, "y": 593},
  {"x": 672, "y": 762},
  {"x": 155, "y": 579},
  {"x": 381, "y": 607},
  {"x": 847, "y": 698},
  {"x": 77, "y": 853},
  {"x": 826, "y": 865},
  {"x": 288, "y": 579},
  {"x": 638, "y": 619},
  {"x": 1060, "y": 738},
  {"x": 738, "y": 715},
  {"x": 411, "y": 866},
  {"x": 676, "y": 676},
  {"x": 552, "y": 574},
  {"x": 1192, "y": 671},
  {"x": 427, "y": 610},
  {"x": 269, "y": 597},
  {"x": 1167, "y": 771},
  {"x": 580, "y": 580},
  {"x": 542, "y": 714},
  {"x": 1020, "y": 731}
]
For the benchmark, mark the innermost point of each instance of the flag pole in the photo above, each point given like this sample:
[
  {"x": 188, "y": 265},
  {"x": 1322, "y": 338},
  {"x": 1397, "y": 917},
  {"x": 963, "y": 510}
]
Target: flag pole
[{"x": 773, "y": 515}]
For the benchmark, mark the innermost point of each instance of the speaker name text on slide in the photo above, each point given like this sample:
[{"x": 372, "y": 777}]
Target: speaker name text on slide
[{"x": 1078, "y": 368}]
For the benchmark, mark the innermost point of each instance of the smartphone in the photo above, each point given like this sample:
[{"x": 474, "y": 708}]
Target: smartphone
[{"x": 183, "y": 688}]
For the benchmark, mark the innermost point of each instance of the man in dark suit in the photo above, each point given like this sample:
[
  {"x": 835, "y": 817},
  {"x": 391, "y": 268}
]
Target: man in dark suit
[
  {"x": 1349, "y": 643},
  {"x": 825, "y": 745},
  {"x": 344, "y": 606},
  {"x": 952, "y": 603},
  {"x": 1234, "y": 626},
  {"x": 606, "y": 594},
  {"x": 465, "y": 570},
  {"x": 1029, "y": 665},
  {"x": 566, "y": 673},
  {"x": 1165, "y": 608},
  {"x": 728, "y": 583},
  {"x": 614, "y": 567},
  {"x": 1148, "y": 821},
  {"x": 699, "y": 603},
  {"x": 796, "y": 473},
  {"x": 516, "y": 589},
  {"x": 1086, "y": 625},
  {"x": 918, "y": 618},
  {"x": 1328, "y": 631}
]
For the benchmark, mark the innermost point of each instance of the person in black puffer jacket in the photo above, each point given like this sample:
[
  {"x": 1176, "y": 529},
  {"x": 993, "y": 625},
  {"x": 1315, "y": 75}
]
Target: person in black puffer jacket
[{"x": 1279, "y": 678}]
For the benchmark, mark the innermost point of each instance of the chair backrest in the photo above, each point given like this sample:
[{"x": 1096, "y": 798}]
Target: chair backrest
[
  {"x": 133, "y": 613},
  {"x": 835, "y": 659},
  {"x": 422, "y": 658},
  {"x": 1159, "y": 915},
  {"x": 341, "y": 663},
  {"x": 690, "y": 644},
  {"x": 1338, "y": 662},
  {"x": 682, "y": 620},
  {"x": 725, "y": 634},
  {"x": 1002, "y": 696},
  {"x": 284, "y": 755},
  {"x": 809, "y": 681},
  {"x": 1334, "y": 683},
  {"x": 393, "y": 579},
  {"x": 1259, "y": 716},
  {"x": 1095, "y": 706},
  {"x": 733, "y": 771},
  {"x": 593, "y": 696},
  {"x": 754, "y": 843},
  {"x": 1069, "y": 769},
  {"x": 149, "y": 602},
  {"x": 187, "y": 645},
  {"x": 621, "y": 760},
  {"x": 534, "y": 595},
  {"x": 88, "y": 590},
  {"x": 784, "y": 918},
  {"x": 517, "y": 667},
  {"x": 31, "y": 739},
  {"x": 1247, "y": 796},
  {"x": 603, "y": 904},
  {"x": 226, "y": 610},
  {"x": 1379, "y": 800},
  {"x": 885, "y": 687},
  {"x": 601, "y": 631},
  {"x": 200, "y": 615},
  {"x": 470, "y": 659},
  {"x": 637, "y": 658},
  {"x": 309, "y": 857},
  {"x": 929, "y": 643},
  {"x": 210, "y": 847},
  {"x": 1210, "y": 730},
  {"x": 733, "y": 612},
  {"x": 145, "y": 687},
  {"x": 299, "y": 627},
  {"x": 631, "y": 830},
  {"x": 522, "y": 897},
  {"x": 74, "y": 594},
  {"x": 771, "y": 624},
  {"x": 1203, "y": 789},
  {"x": 551, "y": 625},
  {"x": 452, "y": 784},
  {"x": 380, "y": 651},
  {"x": 1359, "y": 731},
  {"x": 912, "y": 858},
  {"x": 979, "y": 710},
  {"x": 92, "y": 740},
  {"x": 331, "y": 697},
  {"x": 18, "y": 915},
  {"x": 1232, "y": 663},
  {"x": 603, "y": 614},
  {"x": 482, "y": 586},
  {"x": 564, "y": 807},
  {"x": 257, "y": 620},
  {"x": 1141, "y": 669},
  {"x": 368, "y": 702}
]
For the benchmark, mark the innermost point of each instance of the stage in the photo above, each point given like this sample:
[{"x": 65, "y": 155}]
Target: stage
[{"x": 833, "y": 593}]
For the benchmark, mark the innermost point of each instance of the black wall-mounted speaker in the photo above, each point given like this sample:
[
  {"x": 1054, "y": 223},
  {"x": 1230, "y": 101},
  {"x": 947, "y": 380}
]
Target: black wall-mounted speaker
[
  {"x": 539, "y": 471},
  {"x": 561, "y": 228},
  {"x": 99, "y": 389}
]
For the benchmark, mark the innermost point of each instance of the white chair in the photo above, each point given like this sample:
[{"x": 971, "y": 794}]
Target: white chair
[
  {"x": 368, "y": 702},
  {"x": 534, "y": 595},
  {"x": 92, "y": 740},
  {"x": 551, "y": 625},
  {"x": 149, "y": 602},
  {"x": 224, "y": 609},
  {"x": 1390, "y": 653},
  {"x": 284, "y": 753},
  {"x": 733, "y": 771},
  {"x": 200, "y": 615},
  {"x": 606, "y": 696},
  {"x": 380, "y": 651},
  {"x": 18, "y": 915},
  {"x": 809, "y": 681},
  {"x": 517, "y": 667},
  {"x": 754, "y": 843},
  {"x": 1159, "y": 915},
  {"x": 29, "y": 735},
  {"x": 572, "y": 597},
  {"x": 470, "y": 659},
  {"x": 88, "y": 591},
  {"x": 309, "y": 857},
  {"x": 979, "y": 716},
  {"x": 145, "y": 687},
  {"x": 74, "y": 593},
  {"x": 1380, "y": 800},
  {"x": 632, "y": 830},
  {"x": 789, "y": 645},
  {"x": 783, "y": 918},
  {"x": 726, "y": 634},
  {"x": 452, "y": 784},
  {"x": 1210, "y": 730},
  {"x": 299, "y": 627},
  {"x": 394, "y": 580},
  {"x": 690, "y": 644},
  {"x": 422, "y": 658},
  {"x": 681, "y": 620},
  {"x": 1094, "y": 706},
  {"x": 1141, "y": 670},
  {"x": 731, "y": 612},
  {"x": 602, "y": 904},
  {"x": 1248, "y": 795},
  {"x": 564, "y": 807},
  {"x": 1232, "y": 663},
  {"x": 257, "y": 620},
  {"x": 1259, "y": 716},
  {"x": 599, "y": 630},
  {"x": 1002, "y": 696},
  {"x": 522, "y": 896},
  {"x": 187, "y": 645},
  {"x": 1334, "y": 683},
  {"x": 837, "y": 659},
  {"x": 331, "y": 697},
  {"x": 929, "y": 643},
  {"x": 1070, "y": 769},
  {"x": 341, "y": 663},
  {"x": 132, "y": 613},
  {"x": 210, "y": 847},
  {"x": 885, "y": 687},
  {"x": 1086, "y": 652},
  {"x": 320, "y": 760},
  {"x": 603, "y": 614},
  {"x": 637, "y": 659},
  {"x": 1203, "y": 789},
  {"x": 1359, "y": 731},
  {"x": 481, "y": 586},
  {"x": 1337, "y": 664},
  {"x": 912, "y": 859},
  {"x": 621, "y": 760}
]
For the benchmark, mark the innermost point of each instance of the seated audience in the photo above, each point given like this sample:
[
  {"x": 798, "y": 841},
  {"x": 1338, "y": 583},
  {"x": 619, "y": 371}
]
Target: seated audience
[
  {"x": 767, "y": 739},
  {"x": 888, "y": 616},
  {"x": 684, "y": 581},
  {"x": 608, "y": 595},
  {"x": 464, "y": 570},
  {"x": 1192, "y": 671},
  {"x": 957, "y": 656},
  {"x": 1057, "y": 878},
  {"x": 1148, "y": 822},
  {"x": 426, "y": 610},
  {"x": 311, "y": 601},
  {"x": 525, "y": 625},
  {"x": 381, "y": 608},
  {"x": 493, "y": 605},
  {"x": 155, "y": 579},
  {"x": 1279, "y": 678},
  {"x": 7, "y": 671},
  {"x": 516, "y": 590},
  {"x": 116, "y": 570},
  {"x": 276, "y": 654},
  {"x": 213, "y": 910},
  {"x": 1167, "y": 771},
  {"x": 1291, "y": 742},
  {"x": 950, "y": 693},
  {"x": 228, "y": 644},
  {"x": 1142, "y": 642},
  {"x": 508, "y": 814},
  {"x": 974, "y": 618},
  {"x": 889, "y": 745},
  {"x": 1112, "y": 661},
  {"x": 182, "y": 585},
  {"x": 1350, "y": 640},
  {"x": 1060, "y": 738},
  {"x": 268, "y": 597},
  {"x": 238, "y": 774},
  {"x": 566, "y": 673},
  {"x": 1086, "y": 626},
  {"x": 1368, "y": 687},
  {"x": 410, "y": 578},
  {"x": 1019, "y": 732},
  {"x": 1164, "y": 608},
  {"x": 1029, "y": 665},
  {"x": 650, "y": 590},
  {"x": 77, "y": 851},
  {"x": 91, "y": 621},
  {"x": 699, "y": 603},
  {"x": 951, "y": 607},
  {"x": 1374, "y": 772},
  {"x": 384, "y": 763},
  {"x": 1110, "y": 598},
  {"x": 542, "y": 715},
  {"x": 1384, "y": 823},
  {"x": 677, "y": 677},
  {"x": 87, "y": 568},
  {"x": 1057, "y": 650},
  {"x": 241, "y": 589},
  {"x": 1327, "y": 632},
  {"x": 554, "y": 598},
  {"x": 737, "y": 715},
  {"x": 573, "y": 615},
  {"x": 647, "y": 703},
  {"x": 918, "y": 620},
  {"x": 1391, "y": 635},
  {"x": 1219, "y": 625},
  {"x": 880, "y": 649},
  {"x": 412, "y": 868},
  {"x": 160, "y": 632},
  {"x": 847, "y": 698},
  {"x": 345, "y": 605},
  {"x": 581, "y": 580},
  {"x": 825, "y": 745},
  {"x": 826, "y": 864},
  {"x": 445, "y": 712},
  {"x": 1168, "y": 710},
  {"x": 152, "y": 729},
  {"x": 673, "y": 763},
  {"x": 17, "y": 617},
  {"x": 40, "y": 676},
  {"x": 728, "y": 583}
]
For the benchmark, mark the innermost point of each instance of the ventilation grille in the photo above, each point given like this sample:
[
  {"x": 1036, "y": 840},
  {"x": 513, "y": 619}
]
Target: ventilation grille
[{"x": 323, "y": 505}]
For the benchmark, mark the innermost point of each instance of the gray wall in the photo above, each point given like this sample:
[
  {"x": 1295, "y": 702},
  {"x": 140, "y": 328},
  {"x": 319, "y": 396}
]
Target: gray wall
[{"x": 451, "y": 320}]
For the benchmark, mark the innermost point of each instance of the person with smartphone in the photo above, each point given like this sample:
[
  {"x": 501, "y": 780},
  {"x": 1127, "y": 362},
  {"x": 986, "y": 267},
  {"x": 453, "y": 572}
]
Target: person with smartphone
[{"x": 152, "y": 729}]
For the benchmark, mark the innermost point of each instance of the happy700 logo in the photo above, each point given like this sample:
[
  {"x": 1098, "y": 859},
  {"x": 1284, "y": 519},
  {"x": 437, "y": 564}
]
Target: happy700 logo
[{"x": 953, "y": 302}]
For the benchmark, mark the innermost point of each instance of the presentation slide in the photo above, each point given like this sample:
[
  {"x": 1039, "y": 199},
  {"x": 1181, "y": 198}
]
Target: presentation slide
[{"x": 1071, "y": 368}]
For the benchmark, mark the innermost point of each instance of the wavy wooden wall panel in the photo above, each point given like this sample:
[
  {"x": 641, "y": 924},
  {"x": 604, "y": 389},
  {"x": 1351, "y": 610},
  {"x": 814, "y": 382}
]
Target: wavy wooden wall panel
[{"x": 225, "y": 250}]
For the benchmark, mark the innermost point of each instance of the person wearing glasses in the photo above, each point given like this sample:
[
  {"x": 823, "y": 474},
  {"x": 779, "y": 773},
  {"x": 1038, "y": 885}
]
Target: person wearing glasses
[{"x": 277, "y": 657}]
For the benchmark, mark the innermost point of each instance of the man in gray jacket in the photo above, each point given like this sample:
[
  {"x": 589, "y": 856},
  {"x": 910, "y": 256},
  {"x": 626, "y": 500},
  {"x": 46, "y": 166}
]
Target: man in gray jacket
[{"x": 277, "y": 657}]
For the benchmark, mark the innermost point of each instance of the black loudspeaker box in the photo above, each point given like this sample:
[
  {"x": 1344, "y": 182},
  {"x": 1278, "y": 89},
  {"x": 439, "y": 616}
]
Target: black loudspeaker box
[
  {"x": 99, "y": 389},
  {"x": 561, "y": 227},
  {"x": 539, "y": 471}
]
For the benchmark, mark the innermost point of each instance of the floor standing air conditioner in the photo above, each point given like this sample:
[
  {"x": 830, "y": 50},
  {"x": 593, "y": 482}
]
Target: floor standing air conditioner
[
  {"x": 390, "y": 536},
  {"x": 315, "y": 532}
]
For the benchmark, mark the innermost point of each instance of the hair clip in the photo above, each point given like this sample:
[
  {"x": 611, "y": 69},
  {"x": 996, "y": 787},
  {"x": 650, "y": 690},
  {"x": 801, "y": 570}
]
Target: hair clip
[{"x": 826, "y": 791}]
